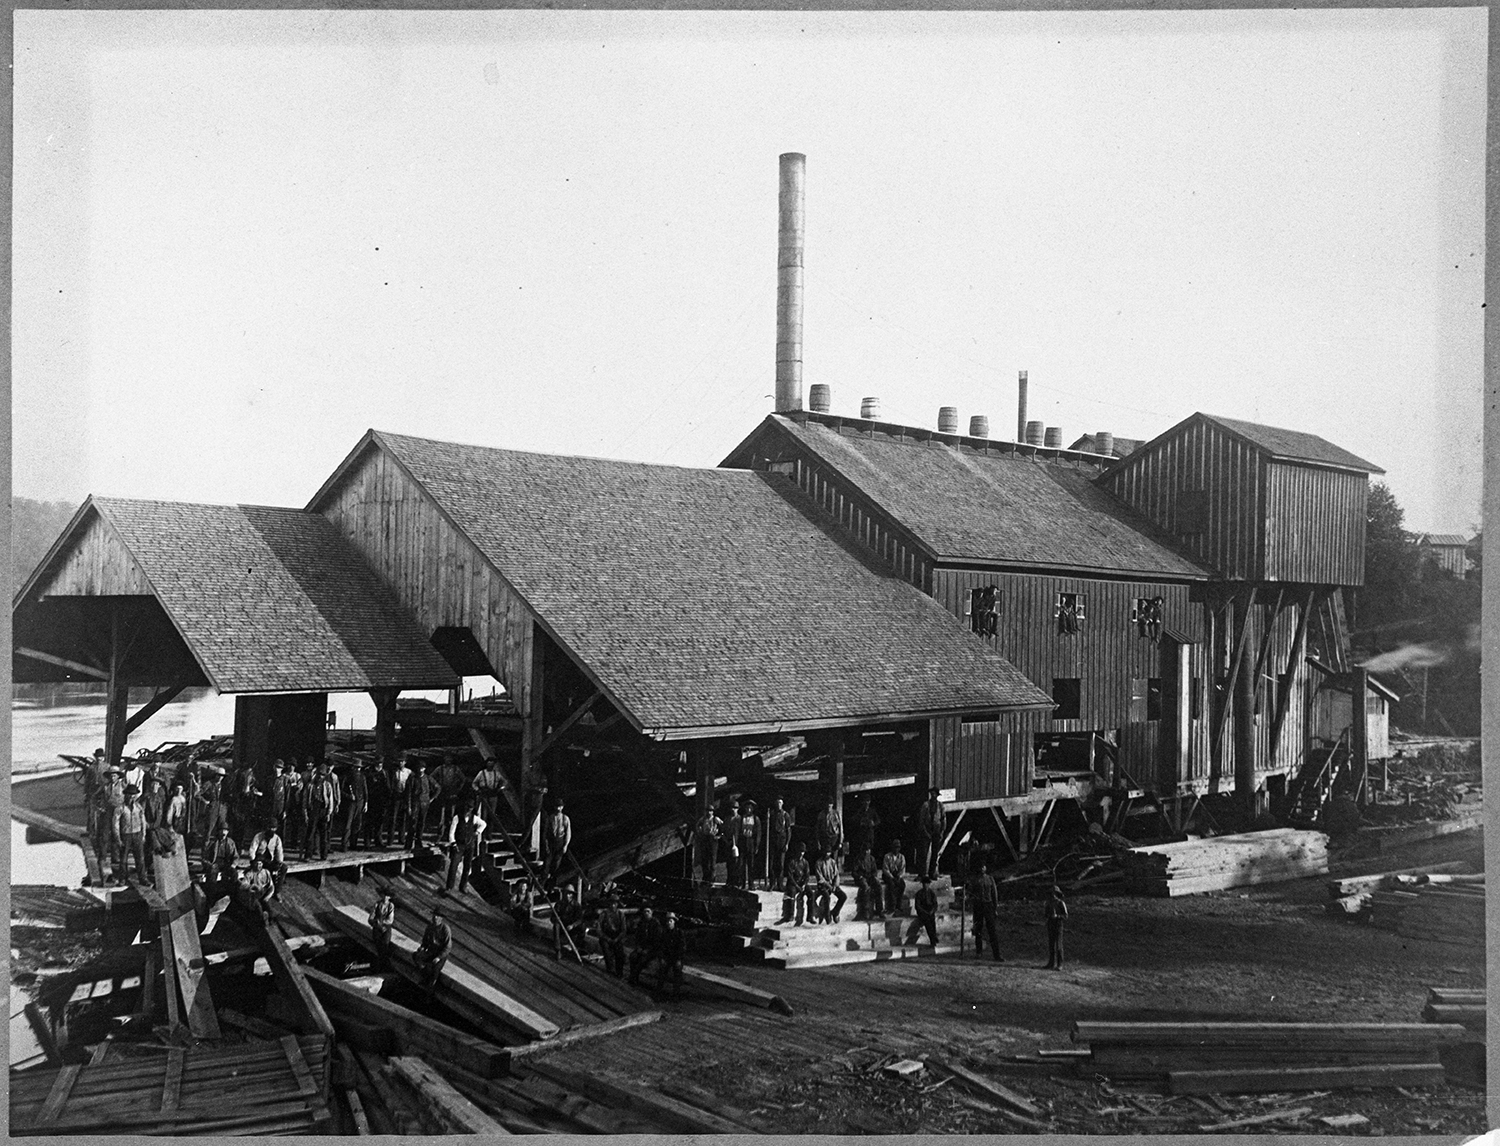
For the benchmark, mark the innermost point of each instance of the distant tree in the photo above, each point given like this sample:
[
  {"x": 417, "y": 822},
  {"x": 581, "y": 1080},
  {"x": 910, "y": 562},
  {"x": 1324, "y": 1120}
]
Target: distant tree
[{"x": 35, "y": 525}]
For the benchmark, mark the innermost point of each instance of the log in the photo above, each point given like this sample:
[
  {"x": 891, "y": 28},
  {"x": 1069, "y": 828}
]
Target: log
[
  {"x": 311, "y": 1017},
  {"x": 573, "y": 1035},
  {"x": 1272, "y": 1080},
  {"x": 990, "y": 1089},
  {"x": 671, "y": 1113},
  {"x": 412, "y": 1031},
  {"x": 734, "y": 989},
  {"x": 440, "y": 1100}
]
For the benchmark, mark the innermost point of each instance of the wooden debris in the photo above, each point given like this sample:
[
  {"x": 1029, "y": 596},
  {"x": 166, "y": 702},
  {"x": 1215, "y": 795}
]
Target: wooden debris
[
  {"x": 1295, "y": 1115},
  {"x": 1350, "y": 885},
  {"x": 174, "y": 911},
  {"x": 663, "y": 1110},
  {"x": 904, "y": 1067},
  {"x": 312, "y": 1019},
  {"x": 450, "y": 1109},
  {"x": 990, "y": 1089},
  {"x": 1343, "y": 1121}
]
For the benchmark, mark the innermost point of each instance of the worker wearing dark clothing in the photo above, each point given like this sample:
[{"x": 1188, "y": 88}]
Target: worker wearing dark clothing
[
  {"x": 567, "y": 915},
  {"x": 924, "y": 903},
  {"x": 154, "y": 801},
  {"x": 418, "y": 800},
  {"x": 830, "y": 832},
  {"x": 893, "y": 876},
  {"x": 869, "y": 900},
  {"x": 1056, "y": 913},
  {"x": 219, "y": 856},
  {"x": 706, "y": 844},
  {"x": 213, "y": 797},
  {"x": 984, "y": 900},
  {"x": 930, "y": 825},
  {"x": 557, "y": 838},
  {"x": 862, "y": 827},
  {"x": 648, "y": 933},
  {"x": 113, "y": 802},
  {"x": 322, "y": 806},
  {"x": 465, "y": 836},
  {"x": 612, "y": 937},
  {"x": 382, "y": 923},
  {"x": 828, "y": 872},
  {"x": 437, "y": 942},
  {"x": 744, "y": 834},
  {"x": 794, "y": 885},
  {"x": 780, "y": 822},
  {"x": 672, "y": 952},
  {"x": 356, "y": 803},
  {"x": 377, "y": 807}
]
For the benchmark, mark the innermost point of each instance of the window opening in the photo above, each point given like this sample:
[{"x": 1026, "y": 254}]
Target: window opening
[
  {"x": 1069, "y": 612},
  {"x": 1147, "y": 614},
  {"x": 1067, "y": 695},
  {"x": 984, "y": 610}
]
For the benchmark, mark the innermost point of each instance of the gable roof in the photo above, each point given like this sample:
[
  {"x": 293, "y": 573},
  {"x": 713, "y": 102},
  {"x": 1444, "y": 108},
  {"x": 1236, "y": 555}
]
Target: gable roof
[
  {"x": 1293, "y": 445},
  {"x": 1004, "y": 509},
  {"x": 708, "y": 599},
  {"x": 266, "y": 599},
  {"x": 1457, "y": 540}
]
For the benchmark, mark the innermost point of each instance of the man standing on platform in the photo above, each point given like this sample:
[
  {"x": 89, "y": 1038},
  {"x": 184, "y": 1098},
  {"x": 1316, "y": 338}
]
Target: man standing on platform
[
  {"x": 382, "y": 923},
  {"x": 488, "y": 785},
  {"x": 378, "y": 793},
  {"x": 780, "y": 822},
  {"x": 278, "y": 794},
  {"x": 866, "y": 820},
  {"x": 984, "y": 900},
  {"x": 557, "y": 838},
  {"x": 297, "y": 783},
  {"x": 930, "y": 825},
  {"x": 400, "y": 781},
  {"x": 177, "y": 811},
  {"x": 154, "y": 801},
  {"x": 356, "y": 802},
  {"x": 114, "y": 804},
  {"x": 745, "y": 836},
  {"x": 418, "y": 801},
  {"x": 448, "y": 784},
  {"x": 465, "y": 835},
  {"x": 893, "y": 876},
  {"x": 432, "y": 953},
  {"x": 132, "y": 830},
  {"x": 830, "y": 832},
  {"x": 706, "y": 843},
  {"x": 322, "y": 806}
]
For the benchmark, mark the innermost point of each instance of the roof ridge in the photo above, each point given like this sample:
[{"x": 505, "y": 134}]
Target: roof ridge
[{"x": 390, "y": 435}]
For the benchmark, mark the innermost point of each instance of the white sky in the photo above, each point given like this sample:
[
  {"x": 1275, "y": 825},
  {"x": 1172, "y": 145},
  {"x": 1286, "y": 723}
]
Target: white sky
[{"x": 241, "y": 239}]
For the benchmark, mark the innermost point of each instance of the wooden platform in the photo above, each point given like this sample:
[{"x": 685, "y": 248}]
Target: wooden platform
[
  {"x": 359, "y": 860},
  {"x": 256, "y": 1088}
]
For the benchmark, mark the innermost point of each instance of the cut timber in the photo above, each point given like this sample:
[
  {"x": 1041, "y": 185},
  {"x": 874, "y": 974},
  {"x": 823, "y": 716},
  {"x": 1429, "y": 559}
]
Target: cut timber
[
  {"x": 311, "y": 1017},
  {"x": 990, "y": 1089},
  {"x": 1336, "y": 1036},
  {"x": 47, "y": 825},
  {"x": 177, "y": 894},
  {"x": 455, "y": 1113},
  {"x": 639, "y": 851},
  {"x": 572, "y": 1036},
  {"x": 1351, "y": 884},
  {"x": 671, "y": 1113},
  {"x": 733, "y": 989},
  {"x": 353, "y": 922},
  {"x": 1221, "y": 862},
  {"x": 1458, "y": 996},
  {"x": 1271, "y": 1080},
  {"x": 413, "y": 1032}
]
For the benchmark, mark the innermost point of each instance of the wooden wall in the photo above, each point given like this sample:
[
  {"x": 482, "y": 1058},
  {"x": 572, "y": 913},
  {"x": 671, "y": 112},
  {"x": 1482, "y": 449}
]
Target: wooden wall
[
  {"x": 1315, "y": 524},
  {"x": 97, "y": 565},
  {"x": 434, "y": 569},
  {"x": 1201, "y": 456},
  {"x": 984, "y": 760}
]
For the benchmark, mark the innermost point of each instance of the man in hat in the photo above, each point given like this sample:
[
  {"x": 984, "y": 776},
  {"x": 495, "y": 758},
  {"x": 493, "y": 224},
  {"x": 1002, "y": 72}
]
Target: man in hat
[
  {"x": 893, "y": 876},
  {"x": 567, "y": 915},
  {"x": 448, "y": 786},
  {"x": 557, "y": 838},
  {"x": 984, "y": 901},
  {"x": 214, "y": 799},
  {"x": 432, "y": 953},
  {"x": 465, "y": 837},
  {"x": 930, "y": 824},
  {"x": 356, "y": 803},
  {"x": 744, "y": 833},
  {"x": 257, "y": 887},
  {"x": 93, "y": 787},
  {"x": 135, "y": 775},
  {"x": 400, "y": 781},
  {"x": 647, "y": 943},
  {"x": 612, "y": 936},
  {"x": 382, "y": 923},
  {"x": 869, "y": 901},
  {"x": 862, "y": 828},
  {"x": 672, "y": 952},
  {"x": 829, "y": 831},
  {"x": 1056, "y": 912},
  {"x": 924, "y": 904},
  {"x": 831, "y": 897},
  {"x": 295, "y": 827},
  {"x": 279, "y": 793},
  {"x": 780, "y": 822},
  {"x": 794, "y": 886},
  {"x": 488, "y": 786},
  {"x": 322, "y": 805},
  {"x": 418, "y": 801},
  {"x": 219, "y": 856},
  {"x": 270, "y": 850},
  {"x": 177, "y": 810},
  {"x": 132, "y": 830},
  {"x": 706, "y": 843},
  {"x": 154, "y": 800},
  {"x": 378, "y": 804},
  {"x": 112, "y": 802}
]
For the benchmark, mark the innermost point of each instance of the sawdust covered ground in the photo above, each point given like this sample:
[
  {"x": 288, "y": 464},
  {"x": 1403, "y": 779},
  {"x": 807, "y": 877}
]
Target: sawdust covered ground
[{"x": 1266, "y": 954}]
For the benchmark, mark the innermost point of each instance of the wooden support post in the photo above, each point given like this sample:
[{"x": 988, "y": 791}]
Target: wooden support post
[
  {"x": 1243, "y": 702},
  {"x": 832, "y": 775},
  {"x": 1004, "y": 835},
  {"x": 1359, "y": 739},
  {"x": 385, "y": 725},
  {"x": 163, "y": 698},
  {"x": 1293, "y": 662},
  {"x": 533, "y": 728},
  {"x": 62, "y": 662},
  {"x": 1236, "y": 660},
  {"x": 952, "y": 831}
]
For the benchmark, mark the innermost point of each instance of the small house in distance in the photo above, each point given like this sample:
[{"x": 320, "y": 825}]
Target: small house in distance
[{"x": 1448, "y": 551}]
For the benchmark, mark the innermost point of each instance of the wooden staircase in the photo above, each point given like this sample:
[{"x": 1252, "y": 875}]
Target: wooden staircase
[{"x": 1327, "y": 770}]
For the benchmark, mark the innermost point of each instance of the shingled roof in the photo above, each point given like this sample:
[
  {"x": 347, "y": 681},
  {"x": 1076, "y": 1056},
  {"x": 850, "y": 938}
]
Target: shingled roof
[
  {"x": 706, "y": 598},
  {"x": 1000, "y": 508},
  {"x": 1293, "y": 445},
  {"x": 267, "y": 599}
]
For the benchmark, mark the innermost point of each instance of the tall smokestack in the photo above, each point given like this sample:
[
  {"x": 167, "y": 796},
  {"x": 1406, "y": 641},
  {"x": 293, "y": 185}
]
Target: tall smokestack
[
  {"x": 1021, "y": 409},
  {"x": 789, "y": 283}
]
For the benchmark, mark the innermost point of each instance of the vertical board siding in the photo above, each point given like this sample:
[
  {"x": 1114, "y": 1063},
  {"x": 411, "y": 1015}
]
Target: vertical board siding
[
  {"x": 97, "y": 565},
  {"x": 985, "y": 760},
  {"x": 1315, "y": 524},
  {"x": 435, "y": 570},
  {"x": 1202, "y": 457}
]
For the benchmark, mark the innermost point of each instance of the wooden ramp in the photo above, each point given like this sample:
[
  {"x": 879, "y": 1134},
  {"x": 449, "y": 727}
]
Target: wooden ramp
[
  {"x": 176, "y": 890},
  {"x": 258, "y": 1088}
]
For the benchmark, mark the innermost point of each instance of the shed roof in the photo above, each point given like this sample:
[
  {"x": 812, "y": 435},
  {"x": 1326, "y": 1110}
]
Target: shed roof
[
  {"x": 1001, "y": 508},
  {"x": 1293, "y": 445},
  {"x": 707, "y": 598},
  {"x": 1454, "y": 539},
  {"x": 266, "y": 599}
]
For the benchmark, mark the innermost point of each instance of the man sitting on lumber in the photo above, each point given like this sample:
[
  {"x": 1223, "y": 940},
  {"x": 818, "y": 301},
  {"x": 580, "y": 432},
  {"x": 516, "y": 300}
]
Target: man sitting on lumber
[
  {"x": 268, "y": 847},
  {"x": 219, "y": 856},
  {"x": 828, "y": 872},
  {"x": 437, "y": 942},
  {"x": 893, "y": 877},
  {"x": 794, "y": 881},
  {"x": 257, "y": 887},
  {"x": 648, "y": 934},
  {"x": 382, "y": 923},
  {"x": 870, "y": 898},
  {"x": 567, "y": 915},
  {"x": 612, "y": 936}
]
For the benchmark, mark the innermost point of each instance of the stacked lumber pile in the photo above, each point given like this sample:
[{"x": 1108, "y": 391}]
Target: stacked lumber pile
[
  {"x": 1224, "y": 861},
  {"x": 1252, "y": 1058},
  {"x": 38, "y": 905},
  {"x": 1459, "y": 1005},
  {"x": 256, "y": 1088},
  {"x": 1447, "y": 913},
  {"x": 1351, "y": 894}
]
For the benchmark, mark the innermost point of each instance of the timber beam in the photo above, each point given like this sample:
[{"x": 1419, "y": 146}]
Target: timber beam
[{"x": 152, "y": 707}]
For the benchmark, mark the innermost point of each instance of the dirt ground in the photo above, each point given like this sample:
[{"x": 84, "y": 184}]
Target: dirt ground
[{"x": 1263, "y": 954}]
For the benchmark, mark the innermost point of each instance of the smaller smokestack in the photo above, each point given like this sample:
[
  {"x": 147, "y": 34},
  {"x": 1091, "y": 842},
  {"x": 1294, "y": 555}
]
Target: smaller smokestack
[
  {"x": 1021, "y": 409},
  {"x": 1104, "y": 442},
  {"x": 979, "y": 426},
  {"x": 869, "y": 409},
  {"x": 947, "y": 419},
  {"x": 1033, "y": 433},
  {"x": 1053, "y": 440},
  {"x": 819, "y": 398}
]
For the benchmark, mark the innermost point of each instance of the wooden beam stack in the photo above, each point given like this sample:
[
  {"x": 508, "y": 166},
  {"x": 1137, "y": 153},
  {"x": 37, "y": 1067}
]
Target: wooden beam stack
[
  {"x": 1246, "y": 1058},
  {"x": 1447, "y": 913},
  {"x": 1225, "y": 861},
  {"x": 1459, "y": 1005}
]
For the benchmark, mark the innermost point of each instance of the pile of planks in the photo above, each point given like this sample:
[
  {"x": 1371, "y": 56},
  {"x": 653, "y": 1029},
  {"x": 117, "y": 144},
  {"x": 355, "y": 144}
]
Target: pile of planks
[
  {"x": 1224, "y": 861},
  {"x": 1350, "y": 895},
  {"x": 1447, "y": 913},
  {"x": 38, "y": 905},
  {"x": 256, "y": 1088},
  {"x": 1460, "y": 1005},
  {"x": 1256, "y": 1058}
]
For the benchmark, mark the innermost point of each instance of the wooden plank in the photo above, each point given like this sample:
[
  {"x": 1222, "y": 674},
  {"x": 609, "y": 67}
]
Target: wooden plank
[
  {"x": 48, "y": 825},
  {"x": 1337, "y": 1036},
  {"x": 734, "y": 989},
  {"x": 670, "y": 1113},
  {"x": 177, "y": 893},
  {"x": 43, "y": 1031},
  {"x": 1292, "y": 1115},
  {"x": 252, "y": 1025},
  {"x": 1274, "y": 1080},
  {"x": 57, "y": 1097},
  {"x": 61, "y": 662},
  {"x": 576, "y": 1035},
  {"x": 466, "y": 986},
  {"x": 311, "y": 1017},
  {"x": 152, "y": 707},
  {"x": 990, "y": 1089},
  {"x": 437, "y": 1095},
  {"x": 413, "y": 1031},
  {"x": 171, "y": 1089}
]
